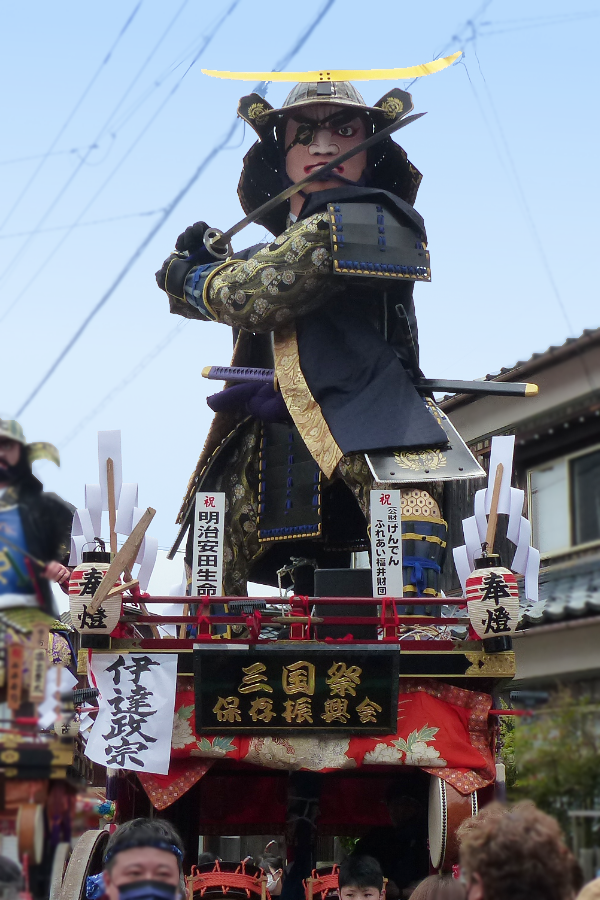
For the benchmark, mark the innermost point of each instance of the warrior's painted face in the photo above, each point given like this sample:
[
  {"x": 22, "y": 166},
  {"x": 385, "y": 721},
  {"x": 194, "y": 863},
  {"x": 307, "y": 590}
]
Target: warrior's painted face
[{"x": 315, "y": 135}]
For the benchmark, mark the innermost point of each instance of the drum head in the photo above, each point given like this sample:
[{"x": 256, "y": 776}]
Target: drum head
[
  {"x": 438, "y": 821},
  {"x": 30, "y": 831},
  {"x": 448, "y": 809}
]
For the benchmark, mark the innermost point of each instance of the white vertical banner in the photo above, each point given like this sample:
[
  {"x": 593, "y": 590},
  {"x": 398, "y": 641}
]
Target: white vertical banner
[
  {"x": 207, "y": 557},
  {"x": 386, "y": 544},
  {"x": 134, "y": 724}
]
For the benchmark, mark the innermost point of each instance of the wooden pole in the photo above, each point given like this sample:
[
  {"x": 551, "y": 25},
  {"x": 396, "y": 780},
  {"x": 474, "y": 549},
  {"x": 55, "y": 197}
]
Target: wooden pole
[
  {"x": 112, "y": 505},
  {"x": 490, "y": 536},
  {"x": 123, "y": 560}
]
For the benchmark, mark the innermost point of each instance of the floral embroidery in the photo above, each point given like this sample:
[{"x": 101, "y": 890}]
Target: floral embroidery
[
  {"x": 217, "y": 748},
  {"x": 182, "y": 730},
  {"x": 382, "y": 754},
  {"x": 320, "y": 257},
  {"x": 269, "y": 275},
  {"x": 416, "y": 750}
]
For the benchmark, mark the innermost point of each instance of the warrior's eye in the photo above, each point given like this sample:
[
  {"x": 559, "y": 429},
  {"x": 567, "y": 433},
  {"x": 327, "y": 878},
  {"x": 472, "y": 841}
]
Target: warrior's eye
[{"x": 346, "y": 131}]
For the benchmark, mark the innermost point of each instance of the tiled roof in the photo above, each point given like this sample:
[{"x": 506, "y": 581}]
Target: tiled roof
[
  {"x": 566, "y": 592},
  {"x": 539, "y": 359},
  {"x": 526, "y": 368}
]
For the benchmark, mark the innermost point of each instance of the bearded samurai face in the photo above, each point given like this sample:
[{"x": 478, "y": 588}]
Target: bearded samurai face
[
  {"x": 314, "y": 135},
  {"x": 11, "y": 461}
]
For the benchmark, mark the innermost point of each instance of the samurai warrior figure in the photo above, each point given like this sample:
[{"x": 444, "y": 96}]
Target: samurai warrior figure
[
  {"x": 35, "y": 536},
  {"x": 329, "y": 306}
]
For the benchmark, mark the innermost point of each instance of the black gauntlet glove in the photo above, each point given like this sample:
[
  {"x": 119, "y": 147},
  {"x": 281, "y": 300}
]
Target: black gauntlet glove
[
  {"x": 192, "y": 239},
  {"x": 191, "y": 253},
  {"x": 161, "y": 275}
]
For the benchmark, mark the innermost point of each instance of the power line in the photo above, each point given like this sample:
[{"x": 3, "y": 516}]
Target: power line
[
  {"x": 260, "y": 88},
  {"x": 129, "y": 378},
  {"x": 83, "y": 160},
  {"x": 523, "y": 198},
  {"x": 20, "y": 159},
  {"x": 39, "y": 270},
  {"x": 69, "y": 118},
  {"x": 504, "y": 26},
  {"x": 137, "y": 215},
  {"x": 189, "y": 52},
  {"x": 529, "y": 218}
]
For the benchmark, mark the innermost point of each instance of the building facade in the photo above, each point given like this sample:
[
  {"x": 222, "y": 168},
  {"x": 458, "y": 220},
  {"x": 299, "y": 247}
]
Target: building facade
[{"x": 557, "y": 464}]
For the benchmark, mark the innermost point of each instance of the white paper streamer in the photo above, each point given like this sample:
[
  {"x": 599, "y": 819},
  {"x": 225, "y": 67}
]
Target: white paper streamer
[
  {"x": 463, "y": 566},
  {"x": 472, "y": 542},
  {"x": 87, "y": 523},
  {"x": 137, "y": 515},
  {"x": 109, "y": 447},
  {"x": 480, "y": 516},
  {"x": 148, "y": 561},
  {"x": 82, "y": 533},
  {"x": 78, "y": 542},
  {"x": 179, "y": 590},
  {"x": 128, "y": 500},
  {"x": 173, "y": 609},
  {"x": 503, "y": 449},
  {"x": 517, "y": 499},
  {"x": 93, "y": 503},
  {"x": 519, "y": 563},
  {"x": 82, "y": 524},
  {"x": 526, "y": 560},
  {"x": 47, "y": 708}
]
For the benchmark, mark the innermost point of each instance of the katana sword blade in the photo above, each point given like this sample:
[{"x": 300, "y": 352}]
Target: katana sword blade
[
  {"x": 220, "y": 241},
  {"x": 16, "y": 548}
]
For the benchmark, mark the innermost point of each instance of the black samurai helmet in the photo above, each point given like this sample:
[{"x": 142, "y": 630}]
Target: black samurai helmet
[{"x": 263, "y": 175}]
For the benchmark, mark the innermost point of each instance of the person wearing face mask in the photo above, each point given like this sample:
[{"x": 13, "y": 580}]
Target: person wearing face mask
[
  {"x": 35, "y": 527},
  {"x": 143, "y": 861},
  {"x": 272, "y": 866},
  {"x": 344, "y": 349}
]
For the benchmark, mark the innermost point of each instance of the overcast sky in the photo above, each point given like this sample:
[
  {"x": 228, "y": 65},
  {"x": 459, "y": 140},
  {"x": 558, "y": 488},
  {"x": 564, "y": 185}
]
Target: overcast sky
[{"x": 508, "y": 151}]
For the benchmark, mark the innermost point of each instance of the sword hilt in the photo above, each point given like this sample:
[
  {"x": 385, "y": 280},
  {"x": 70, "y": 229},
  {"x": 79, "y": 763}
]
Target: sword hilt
[{"x": 211, "y": 239}]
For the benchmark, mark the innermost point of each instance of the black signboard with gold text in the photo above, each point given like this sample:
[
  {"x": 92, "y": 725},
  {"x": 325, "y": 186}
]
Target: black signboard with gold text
[{"x": 353, "y": 689}]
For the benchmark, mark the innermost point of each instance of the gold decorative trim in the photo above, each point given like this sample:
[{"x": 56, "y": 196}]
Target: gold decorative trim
[
  {"x": 302, "y": 406},
  {"x": 82, "y": 661},
  {"x": 217, "y": 271},
  {"x": 428, "y": 68},
  {"x": 411, "y": 589},
  {"x": 419, "y": 460},
  {"x": 495, "y": 664}
]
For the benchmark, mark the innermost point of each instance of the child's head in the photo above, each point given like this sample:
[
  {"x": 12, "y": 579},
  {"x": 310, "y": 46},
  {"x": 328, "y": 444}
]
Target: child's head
[{"x": 360, "y": 878}]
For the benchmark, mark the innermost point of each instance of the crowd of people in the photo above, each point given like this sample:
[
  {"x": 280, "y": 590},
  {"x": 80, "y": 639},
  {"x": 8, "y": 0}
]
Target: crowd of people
[{"x": 506, "y": 853}]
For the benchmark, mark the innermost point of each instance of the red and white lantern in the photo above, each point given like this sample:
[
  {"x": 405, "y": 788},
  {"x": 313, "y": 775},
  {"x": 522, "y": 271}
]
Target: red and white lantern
[
  {"x": 492, "y": 599},
  {"x": 84, "y": 582}
]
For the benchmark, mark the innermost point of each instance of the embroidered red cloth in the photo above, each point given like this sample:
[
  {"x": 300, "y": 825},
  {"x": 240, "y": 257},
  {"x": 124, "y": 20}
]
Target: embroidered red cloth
[{"x": 442, "y": 729}]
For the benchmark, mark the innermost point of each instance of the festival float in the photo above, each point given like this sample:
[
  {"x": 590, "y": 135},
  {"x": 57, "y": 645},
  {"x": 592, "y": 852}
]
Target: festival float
[{"x": 323, "y": 474}]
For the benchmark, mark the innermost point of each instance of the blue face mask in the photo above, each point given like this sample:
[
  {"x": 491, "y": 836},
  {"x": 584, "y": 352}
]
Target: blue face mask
[{"x": 148, "y": 890}]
